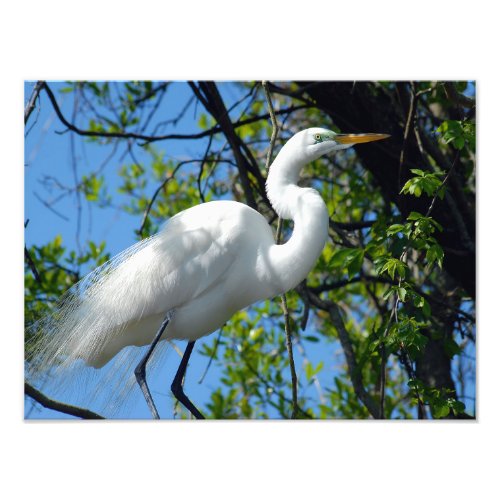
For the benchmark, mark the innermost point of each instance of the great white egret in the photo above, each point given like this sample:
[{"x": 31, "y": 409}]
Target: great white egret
[{"x": 186, "y": 281}]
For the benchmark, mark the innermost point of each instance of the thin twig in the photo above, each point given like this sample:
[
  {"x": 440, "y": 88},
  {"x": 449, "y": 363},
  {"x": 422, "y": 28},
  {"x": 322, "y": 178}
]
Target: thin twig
[
  {"x": 202, "y": 164},
  {"x": 157, "y": 192},
  {"x": 274, "y": 133},
  {"x": 284, "y": 305},
  {"x": 315, "y": 379},
  {"x": 164, "y": 183},
  {"x": 212, "y": 356},
  {"x": 307, "y": 306},
  {"x": 28, "y": 258},
  {"x": 31, "y": 265},
  {"x": 52, "y": 209},
  {"x": 445, "y": 180},
  {"x": 74, "y": 169},
  {"x": 409, "y": 122},
  {"x": 273, "y": 390}
]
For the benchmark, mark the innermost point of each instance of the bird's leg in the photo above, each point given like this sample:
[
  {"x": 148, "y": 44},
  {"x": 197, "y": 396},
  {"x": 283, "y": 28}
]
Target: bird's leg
[
  {"x": 140, "y": 371},
  {"x": 176, "y": 386}
]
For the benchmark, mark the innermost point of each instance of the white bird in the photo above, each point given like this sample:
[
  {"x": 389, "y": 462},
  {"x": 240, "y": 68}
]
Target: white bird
[{"x": 186, "y": 281}]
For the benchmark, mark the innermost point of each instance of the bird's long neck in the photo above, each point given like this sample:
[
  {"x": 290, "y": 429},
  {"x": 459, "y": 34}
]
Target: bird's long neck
[{"x": 291, "y": 262}]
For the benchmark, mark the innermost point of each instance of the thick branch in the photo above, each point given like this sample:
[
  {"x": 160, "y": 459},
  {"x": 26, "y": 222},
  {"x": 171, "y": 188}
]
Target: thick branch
[{"x": 456, "y": 97}]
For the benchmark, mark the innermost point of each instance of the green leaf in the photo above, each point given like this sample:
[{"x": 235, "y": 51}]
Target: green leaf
[
  {"x": 405, "y": 333},
  {"x": 451, "y": 348},
  {"x": 310, "y": 338},
  {"x": 342, "y": 257},
  {"x": 425, "y": 182},
  {"x": 391, "y": 266},
  {"x": 391, "y": 290},
  {"x": 457, "y": 406},
  {"x": 203, "y": 121},
  {"x": 401, "y": 269},
  {"x": 435, "y": 254},
  {"x": 426, "y": 309},
  {"x": 417, "y": 171},
  {"x": 440, "y": 410},
  {"x": 414, "y": 216},
  {"x": 395, "y": 228},
  {"x": 350, "y": 258},
  {"x": 401, "y": 294},
  {"x": 459, "y": 133},
  {"x": 308, "y": 370},
  {"x": 354, "y": 267},
  {"x": 319, "y": 367},
  {"x": 415, "y": 384}
]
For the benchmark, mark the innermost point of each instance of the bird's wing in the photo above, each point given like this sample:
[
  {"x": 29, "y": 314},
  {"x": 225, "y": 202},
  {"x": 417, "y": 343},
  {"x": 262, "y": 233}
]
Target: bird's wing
[
  {"x": 175, "y": 266},
  {"x": 185, "y": 259}
]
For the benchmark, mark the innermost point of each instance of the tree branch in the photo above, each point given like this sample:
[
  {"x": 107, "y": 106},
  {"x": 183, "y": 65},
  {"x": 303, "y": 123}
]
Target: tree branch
[
  {"x": 58, "y": 406},
  {"x": 31, "y": 265},
  {"x": 30, "y": 106},
  {"x": 456, "y": 97},
  {"x": 352, "y": 365}
]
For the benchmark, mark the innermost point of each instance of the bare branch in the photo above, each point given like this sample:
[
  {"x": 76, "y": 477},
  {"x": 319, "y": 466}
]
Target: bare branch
[
  {"x": 30, "y": 106},
  {"x": 157, "y": 192},
  {"x": 58, "y": 406},
  {"x": 31, "y": 265}
]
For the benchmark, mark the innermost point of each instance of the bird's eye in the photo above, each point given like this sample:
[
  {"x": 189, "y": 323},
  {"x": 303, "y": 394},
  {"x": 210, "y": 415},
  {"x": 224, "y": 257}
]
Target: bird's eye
[{"x": 318, "y": 137}]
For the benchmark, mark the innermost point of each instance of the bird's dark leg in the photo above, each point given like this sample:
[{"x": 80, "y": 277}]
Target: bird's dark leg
[
  {"x": 140, "y": 371},
  {"x": 176, "y": 387}
]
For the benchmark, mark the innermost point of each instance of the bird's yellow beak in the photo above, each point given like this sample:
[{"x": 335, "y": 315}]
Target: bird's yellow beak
[{"x": 359, "y": 138}]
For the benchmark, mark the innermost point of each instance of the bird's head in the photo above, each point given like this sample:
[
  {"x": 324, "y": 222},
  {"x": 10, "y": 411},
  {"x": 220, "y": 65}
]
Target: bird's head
[
  {"x": 303, "y": 148},
  {"x": 315, "y": 142}
]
